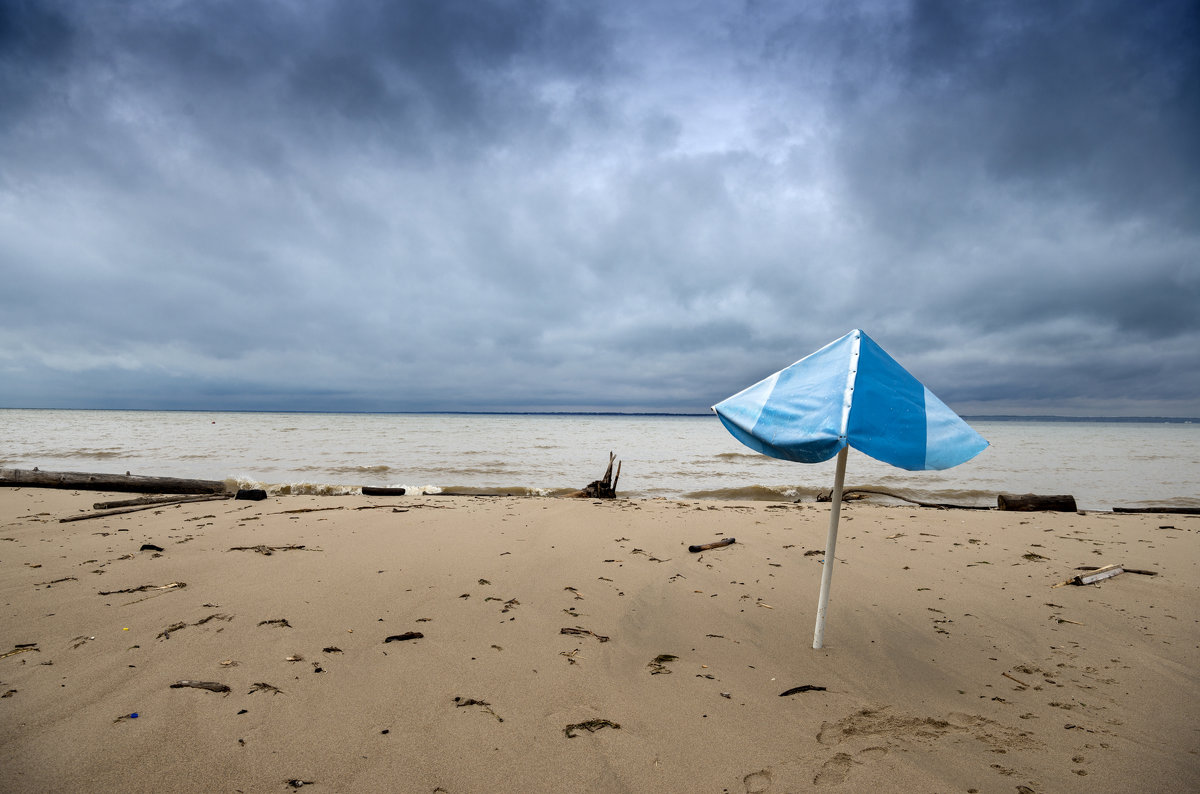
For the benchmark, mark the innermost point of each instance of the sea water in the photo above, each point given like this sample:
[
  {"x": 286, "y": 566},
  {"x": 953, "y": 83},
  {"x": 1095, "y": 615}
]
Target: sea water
[{"x": 1103, "y": 464}]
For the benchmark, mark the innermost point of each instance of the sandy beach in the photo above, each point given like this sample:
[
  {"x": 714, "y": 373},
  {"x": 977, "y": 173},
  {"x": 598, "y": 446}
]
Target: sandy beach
[{"x": 576, "y": 645}]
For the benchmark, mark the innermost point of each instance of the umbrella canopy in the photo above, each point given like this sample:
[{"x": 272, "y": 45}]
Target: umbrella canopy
[{"x": 850, "y": 393}]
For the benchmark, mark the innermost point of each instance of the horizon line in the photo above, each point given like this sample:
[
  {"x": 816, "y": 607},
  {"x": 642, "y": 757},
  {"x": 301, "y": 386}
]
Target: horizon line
[{"x": 968, "y": 417}]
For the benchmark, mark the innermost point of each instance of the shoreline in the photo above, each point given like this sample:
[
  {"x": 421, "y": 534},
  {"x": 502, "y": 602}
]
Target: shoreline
[
  {"x": 950, "y": 662},
  {"x": 1102, "y": 465}
]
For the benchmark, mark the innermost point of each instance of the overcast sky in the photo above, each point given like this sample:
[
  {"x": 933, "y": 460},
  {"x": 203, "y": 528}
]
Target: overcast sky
[{"x": 571, "y": 205}]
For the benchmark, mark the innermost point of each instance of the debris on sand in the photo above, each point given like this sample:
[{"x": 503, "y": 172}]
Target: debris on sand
[
  {"x": 211, "y": 686},
  {"x": 591, "y": 726},
  {"x": 585, "y": 632}
]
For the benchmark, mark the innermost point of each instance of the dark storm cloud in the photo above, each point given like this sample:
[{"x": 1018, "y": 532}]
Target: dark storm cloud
[{"x": 489, "y": 205}]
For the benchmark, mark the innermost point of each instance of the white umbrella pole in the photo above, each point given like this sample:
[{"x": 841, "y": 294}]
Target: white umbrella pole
[{"x": 830, "y": 545}]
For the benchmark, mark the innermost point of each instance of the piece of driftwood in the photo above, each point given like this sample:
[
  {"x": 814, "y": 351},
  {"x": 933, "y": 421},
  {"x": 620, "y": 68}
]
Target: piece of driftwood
[
  {"x": 145, "y": 587},
  {"x": 1029, "y": 502},
  {"x": 1127, "y": 569},
  {"x": 716, "y": 544},
  {"x": 158, "y": 500},
  {"x": 881, "y": 492},
  {"x": 149, "y": 506},
  {"x": 123, "y": 483},
  {"x": 24, "y": 647},
  {"x": 102, "y": 513},
  {"x": 804, "y": 688},
  {"x": 251, "y": 494},
  {"x": 408, "y": 635},
  {"x": 211, "y": 686},
  {"x": 1184, "y": 511},
  {"x": 1095, "y": 574},
  {"x": 605, "y": 488},
  {"x": 370, "y": 490},
  {"x": 1100, "y": 573}
]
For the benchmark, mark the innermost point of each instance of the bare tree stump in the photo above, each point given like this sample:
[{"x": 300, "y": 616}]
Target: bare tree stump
[{"x": 602, "y": 489}]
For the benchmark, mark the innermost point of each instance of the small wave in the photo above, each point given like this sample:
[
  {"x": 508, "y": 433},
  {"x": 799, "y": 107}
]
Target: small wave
[
  {"x": 949, "y": 496},
  {"x": 474, "y": 490},
  {"x": 753, "y": 493},
  {"x": 292, "y": 488},
  {"x": 91, "y": 454},
  {"x": 741, "y": 456},
  {"x": 376, "y": 469},
  {"x": 313, "y": 489},
  {"x": 473, "y": 471}
]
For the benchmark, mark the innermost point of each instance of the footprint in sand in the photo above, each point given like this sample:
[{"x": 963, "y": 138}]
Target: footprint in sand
[
  {"x": 837, "y": 769},
  {"x": 757, "y": 782}
]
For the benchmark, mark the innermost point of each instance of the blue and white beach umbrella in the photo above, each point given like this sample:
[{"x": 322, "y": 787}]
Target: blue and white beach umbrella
[{"x": 849, "y": 393}]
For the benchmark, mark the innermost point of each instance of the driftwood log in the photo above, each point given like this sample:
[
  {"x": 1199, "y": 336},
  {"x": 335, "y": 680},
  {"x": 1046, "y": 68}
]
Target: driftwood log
[
  {"x": 371, "y": 490},
  {"x": 133, "y": 509},
  {"x": 605, "y": 488},
  {"x": 123, "y": 483},
  {"x": 1029, "y": 502},
  {"x": 1183, "y": 511},
  {"x": 158, "y": 500}
]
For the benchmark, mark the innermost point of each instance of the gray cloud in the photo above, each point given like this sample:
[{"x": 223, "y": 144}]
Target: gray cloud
[{"x": 502, "y": 205}]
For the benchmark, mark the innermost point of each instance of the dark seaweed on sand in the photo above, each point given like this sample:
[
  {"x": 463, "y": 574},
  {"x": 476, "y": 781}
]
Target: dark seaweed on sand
[
  {"x": 269, "y": 550},
  {"x": 408, "y": 635},
  {"x": 459, "y": 702},
  {"x": 582, "y": 631},
  {"x": 658, "y": 665},
  {"x": 591, "y": 726}
]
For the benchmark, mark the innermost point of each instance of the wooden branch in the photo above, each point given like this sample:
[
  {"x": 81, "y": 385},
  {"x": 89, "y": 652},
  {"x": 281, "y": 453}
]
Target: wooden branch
[
  {"x": 158, "y": 500},
  {"x": 1186, "y": 511},
  {"x": 124, "y": 483},
  {"x": 118, "y": 511},
  {"x": 1100, "y": 573}
]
